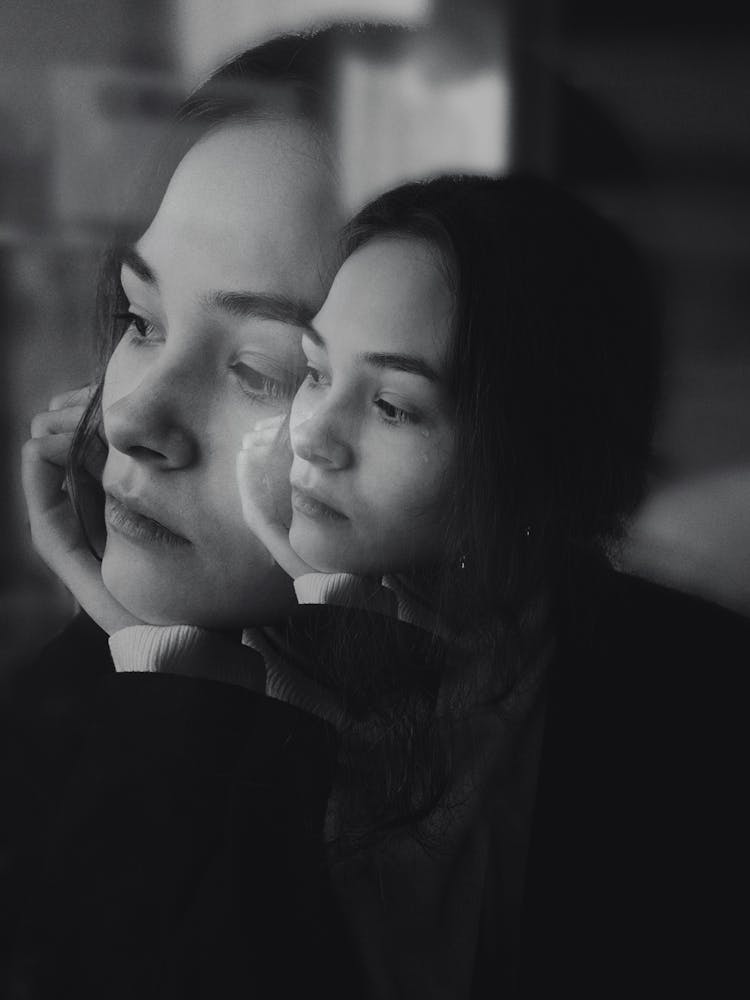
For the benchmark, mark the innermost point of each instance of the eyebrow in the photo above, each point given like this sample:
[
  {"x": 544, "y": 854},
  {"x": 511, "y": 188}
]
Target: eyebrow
[
  {"x": 243, "y": 305},
  {"x": 410, "y": 363},
  {"x": 130, "y": 257},
  {"x": 261, "y": 305}
]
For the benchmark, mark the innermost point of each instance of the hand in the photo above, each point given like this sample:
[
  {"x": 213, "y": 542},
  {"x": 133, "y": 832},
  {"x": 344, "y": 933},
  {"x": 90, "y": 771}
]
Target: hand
[
  {"x": 263, "y": 463},
  {"x": 265, "y": 460},
  {"x": 55, "y": 528},
  {"x": 56, "y": 532}
]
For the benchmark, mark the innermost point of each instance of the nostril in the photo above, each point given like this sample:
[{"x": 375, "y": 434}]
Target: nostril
[
  {"x": 302, "y": 449},
  {"x": 143, "y": 453},
  {"x": 151, "y": 430},
  {"x": 322, "y": 439}
]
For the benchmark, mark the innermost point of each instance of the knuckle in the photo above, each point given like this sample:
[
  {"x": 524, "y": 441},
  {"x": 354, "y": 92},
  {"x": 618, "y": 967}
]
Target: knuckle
[
  {"x": 40, "y": 424},
  {"x": 72, "y": 397},
  {"x": 30, "y": 450},
  {"x": 59, "y": 401},
  {"x": 64, "y": 399}
]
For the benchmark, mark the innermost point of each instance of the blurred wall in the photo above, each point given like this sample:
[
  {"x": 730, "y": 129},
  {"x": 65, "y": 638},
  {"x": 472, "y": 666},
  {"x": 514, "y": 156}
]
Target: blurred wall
[
  {"x": 638, "y": 107},
  {"x": 641, "y": 108},
  {"x": 48, "y": 260},
  {"x": 207, "y": 33},
  {"x": 88, "y": 88}
]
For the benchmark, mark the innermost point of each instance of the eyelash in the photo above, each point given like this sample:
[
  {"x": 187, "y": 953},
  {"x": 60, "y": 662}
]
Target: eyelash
[
  {"x": 393, "y": 415},
  {"x": 263, "y": 388},
  {"x": 313, "y": 377},
  {"x": 143, "y": 329},
  {"x": 259, "y": 387},
  {"x": 389, "y": 414}
]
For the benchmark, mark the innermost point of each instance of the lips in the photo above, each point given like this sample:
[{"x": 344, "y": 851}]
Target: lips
[
  {"x": 312, "y": 505},
  {"x": 132, "y": 518}
]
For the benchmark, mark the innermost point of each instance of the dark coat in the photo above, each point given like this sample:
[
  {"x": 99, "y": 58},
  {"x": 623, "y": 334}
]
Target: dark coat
[
  {"x": 635, "y": 877},
  {"x": 161, "y": 835}
]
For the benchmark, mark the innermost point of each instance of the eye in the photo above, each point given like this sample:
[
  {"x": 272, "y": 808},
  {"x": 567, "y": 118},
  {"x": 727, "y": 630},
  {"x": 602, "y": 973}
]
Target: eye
[
  {"x": 141, "y": 328},
  {"x": 262, "y": 387},
  {"x": 391, "y": 414},
  {"x": 314, "y": 377}
]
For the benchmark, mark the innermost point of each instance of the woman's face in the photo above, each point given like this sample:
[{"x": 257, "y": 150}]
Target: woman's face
[
  {"x": 372, "y": 426},
  {"x": 219, "y": 286}
]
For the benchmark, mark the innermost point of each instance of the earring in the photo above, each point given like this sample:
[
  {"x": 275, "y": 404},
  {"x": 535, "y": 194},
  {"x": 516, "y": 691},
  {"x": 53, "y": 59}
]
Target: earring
[
  {"x": 462, "y": 562},
  {"x": 527, "y": 531}
]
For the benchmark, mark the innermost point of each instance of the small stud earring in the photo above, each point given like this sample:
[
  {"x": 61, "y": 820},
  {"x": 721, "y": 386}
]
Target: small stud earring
[{"x": 462, "y": 562}]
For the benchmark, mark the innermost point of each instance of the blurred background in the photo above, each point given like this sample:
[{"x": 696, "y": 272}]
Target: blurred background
[{"x": 642, "y": 108}]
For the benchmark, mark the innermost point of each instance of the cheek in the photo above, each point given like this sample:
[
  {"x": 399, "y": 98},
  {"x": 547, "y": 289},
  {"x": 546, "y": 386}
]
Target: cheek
[
  {"x": 110, "y": 387},
  {"x": 411, "y": 479},
  {"x": 301, "y": 410},
  {"x": 237, "y": 558},
  {"x": 220, "y": 447},
  {"x": 120, "y": 376}
]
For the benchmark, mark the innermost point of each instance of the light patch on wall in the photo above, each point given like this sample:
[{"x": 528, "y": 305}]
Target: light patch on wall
[
  {"x": 107, "y": 122},
  {"x": 399, "y": 123},
  {"x": 209, "y": 33}
]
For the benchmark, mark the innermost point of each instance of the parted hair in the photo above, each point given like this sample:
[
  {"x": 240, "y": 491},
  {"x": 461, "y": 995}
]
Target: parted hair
[{"x": 553, "y": 367}]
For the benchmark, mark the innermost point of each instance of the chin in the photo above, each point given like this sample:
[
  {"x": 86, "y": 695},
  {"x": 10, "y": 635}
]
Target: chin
[
  {"x": 316, "y": 552},
  {"x": 327, "y": 558},
  {"x": 145, "y": 595},
  {"x": 159, "y": 595}
]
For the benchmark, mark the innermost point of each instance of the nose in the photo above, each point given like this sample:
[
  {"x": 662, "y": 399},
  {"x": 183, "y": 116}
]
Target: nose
[
  {"x": 155, "y": 421},
  {"x": 320, "y": 438}
]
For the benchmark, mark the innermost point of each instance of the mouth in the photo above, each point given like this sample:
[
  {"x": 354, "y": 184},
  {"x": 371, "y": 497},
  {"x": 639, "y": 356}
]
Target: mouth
[
  {"x": 309, "y": 505},
  {"x": 122, "y": 518}
]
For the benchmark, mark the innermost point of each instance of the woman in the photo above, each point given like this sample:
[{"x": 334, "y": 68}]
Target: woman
[
  {"x": 532, "y": 504},
  {"x": 194, "y": 911},
  {"x": 234, "y": 261}
]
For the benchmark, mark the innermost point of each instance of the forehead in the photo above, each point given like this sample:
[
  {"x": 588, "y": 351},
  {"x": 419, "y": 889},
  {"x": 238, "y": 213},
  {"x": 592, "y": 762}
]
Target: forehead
[
  {"x": 251, "y": 201},
  {"x": 392, "y": 295}
]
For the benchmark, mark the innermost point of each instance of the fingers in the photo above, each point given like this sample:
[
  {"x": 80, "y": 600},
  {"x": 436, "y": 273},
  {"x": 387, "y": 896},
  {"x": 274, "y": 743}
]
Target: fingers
[
  {"x": 271, "y": 422},
  {"x": 263, "y": 465},
  {"x": 64, "y": 412},
  {"x": 55, "y": 529},
  {"x": 251, "y": 488},
  {"x": 244, "y": 459},
  {"x": 256, "y": 439},
  {"x": 264, "y": 434},
  {"x": 256, "y": 487},
  {"x": 60, "y": 421},
  {"x": 51, "y": 448},
  {"x": 254, "y": 483},
  {"x": 74, "y": 397},
  {"x": 42, "y": 471}
]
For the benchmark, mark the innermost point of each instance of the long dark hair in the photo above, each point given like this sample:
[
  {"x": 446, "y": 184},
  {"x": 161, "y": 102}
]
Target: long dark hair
[{"x": 554, "y": 372}]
